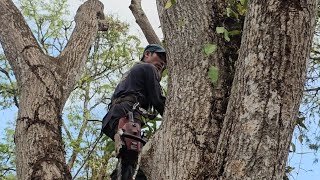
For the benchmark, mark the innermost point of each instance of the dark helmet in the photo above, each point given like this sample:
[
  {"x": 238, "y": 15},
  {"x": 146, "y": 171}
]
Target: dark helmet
[{"x": 155, "y": 48}]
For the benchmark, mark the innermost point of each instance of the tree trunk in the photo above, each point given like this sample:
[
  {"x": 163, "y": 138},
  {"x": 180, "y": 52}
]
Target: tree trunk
[
  {"x": 194, "y": 107},
  {"x": 45, "y": 84},
  {"x": 251, "y": 141},
  {"x": 267, "y": 90}
]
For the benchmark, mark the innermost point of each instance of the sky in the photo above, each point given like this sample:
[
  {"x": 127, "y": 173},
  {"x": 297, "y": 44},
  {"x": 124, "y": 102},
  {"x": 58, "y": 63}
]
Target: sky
[
  {"x": 120, "y": 9},
  {"x": 117, "y": 8}
]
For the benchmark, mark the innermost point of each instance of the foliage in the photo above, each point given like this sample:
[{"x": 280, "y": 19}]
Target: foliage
[
  {"x": 213, "y": 74},
  {"x": 209, "y": 48},
  {"x": 233, "y": 23},
  {"x": 170, "y": 3},
  {"x": 7, "y": 160},
  {"x": 49, "y": 23},
  {"x": 8, "y": 86},
  {"x": 113, "y": 52}
]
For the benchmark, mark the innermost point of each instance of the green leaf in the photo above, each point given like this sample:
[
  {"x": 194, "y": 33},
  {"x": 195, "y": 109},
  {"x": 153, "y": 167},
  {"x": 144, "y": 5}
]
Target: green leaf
[
  {"x": 170, "y": 3},
  {"x": 300, "y": 123},
  {"x": 314, "y": 147},
  {"x": 213, "y": 74},
  {"x": 220, "y": 30},
  {"x": 234, "y": 32},
  {"x": 209, "y": 48},
  {"x": 289, "y": 169},
  {"x": 225, "y": 32},
  {"x": 293, "y": 147},
  {"x": 231, "y": 13},
  {"x": 300, "y": 138},
  {"x": 243, "y": 2},
  {"x": 303, "y": 125},
  {"x": 165, "y": 73},
  {"x": 226, "y": 36},
  {"x": 241, "y": 9}
]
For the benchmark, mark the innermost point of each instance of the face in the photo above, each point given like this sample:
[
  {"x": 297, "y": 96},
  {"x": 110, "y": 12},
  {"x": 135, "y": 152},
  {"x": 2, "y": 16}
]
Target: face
[{"x": 153, "y": 58}]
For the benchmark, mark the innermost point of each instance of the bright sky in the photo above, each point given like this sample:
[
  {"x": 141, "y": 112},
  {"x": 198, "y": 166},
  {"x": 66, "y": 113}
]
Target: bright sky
[{"x": 120, "y": 9}]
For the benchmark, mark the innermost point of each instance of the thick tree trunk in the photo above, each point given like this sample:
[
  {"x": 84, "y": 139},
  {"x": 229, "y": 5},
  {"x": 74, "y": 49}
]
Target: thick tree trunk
[
  {"x": 194, "y": 108},
  {"x": 256, "y": 131},
  {"x": 45, "y": 84},
  {"x": 39, "y": 146},
  {"x": 267, "y": 90}
]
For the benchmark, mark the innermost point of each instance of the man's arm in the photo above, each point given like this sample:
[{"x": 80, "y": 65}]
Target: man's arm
[{"x": 153, "y": 89}]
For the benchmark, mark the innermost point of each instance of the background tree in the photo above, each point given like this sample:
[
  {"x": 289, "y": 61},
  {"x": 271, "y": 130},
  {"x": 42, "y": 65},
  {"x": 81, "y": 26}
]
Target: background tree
[
  {"x": 44, "y": 84},
  {"x": 112, "y": 53},
  {"x": 7, "y": 160}
]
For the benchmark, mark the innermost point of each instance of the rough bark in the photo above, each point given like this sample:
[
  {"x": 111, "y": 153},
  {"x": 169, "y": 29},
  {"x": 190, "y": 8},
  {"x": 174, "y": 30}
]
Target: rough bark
[
  {"x": 267, "y": 90},
  {"x": 257, "y": 129},
  {"x": 189, "y": 133},
  {"x": 143, "y": 22},
  {"x": 44, "y": 83}
]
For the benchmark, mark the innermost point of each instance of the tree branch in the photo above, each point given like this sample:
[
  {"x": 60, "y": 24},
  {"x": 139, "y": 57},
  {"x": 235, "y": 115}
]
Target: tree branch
[
  {"x": 313, "y": 89},
  {"x": 85, "y": 116},
  {"x": 67, "y": 131},
  {"x": 8, "y": 169},
  {"x": 89, "y": 19},
  {"x": 4, "y": 72},
  {"x": 13, "y": 91},
  {"x": 15, "y": 35},
  {"x": 143, "y": 22}
]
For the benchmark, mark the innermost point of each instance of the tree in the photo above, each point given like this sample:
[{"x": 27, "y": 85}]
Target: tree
[
  {"x": 210, "y": 132},
  {"x": 220, "y": 133},
  {"x": 44, "y": 84},
  {"x": 113, "y": 51}
]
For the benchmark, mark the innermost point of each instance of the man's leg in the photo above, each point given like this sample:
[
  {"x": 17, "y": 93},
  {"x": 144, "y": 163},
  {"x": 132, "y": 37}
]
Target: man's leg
[
  {"x": 140, "y": 175},
  {"x": 127, "y": 172}
]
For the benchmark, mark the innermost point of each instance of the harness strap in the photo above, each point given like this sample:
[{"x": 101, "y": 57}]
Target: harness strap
[{"x": 129, "y": 98}]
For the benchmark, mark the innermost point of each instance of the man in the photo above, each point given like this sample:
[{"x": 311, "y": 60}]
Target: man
[{"x": 139, "y": 84}]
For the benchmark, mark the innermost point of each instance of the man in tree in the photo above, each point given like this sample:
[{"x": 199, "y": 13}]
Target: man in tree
[{"x": 139, "y": 85}]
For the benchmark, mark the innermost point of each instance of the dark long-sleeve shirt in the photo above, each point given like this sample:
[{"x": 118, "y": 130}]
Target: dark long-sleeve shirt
[{"x": 142, "y": 81}]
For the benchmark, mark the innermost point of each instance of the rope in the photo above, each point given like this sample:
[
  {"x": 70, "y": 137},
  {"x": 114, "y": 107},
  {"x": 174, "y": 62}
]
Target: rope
[{"x": 119, "y": 169}]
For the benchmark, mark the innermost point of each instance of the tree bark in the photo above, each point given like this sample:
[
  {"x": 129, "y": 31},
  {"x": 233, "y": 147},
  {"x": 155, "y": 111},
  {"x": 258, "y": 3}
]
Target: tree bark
[
  {"x": 187, "y": 137},
  {"x": 197, "y": 140},
  {"x": 45, "y": 84},
  {"x": 267, "y": 90}
]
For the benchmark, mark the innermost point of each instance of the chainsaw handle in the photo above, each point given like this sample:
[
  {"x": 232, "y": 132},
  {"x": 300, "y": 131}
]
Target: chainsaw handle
[{"x": 124, "y": 134}]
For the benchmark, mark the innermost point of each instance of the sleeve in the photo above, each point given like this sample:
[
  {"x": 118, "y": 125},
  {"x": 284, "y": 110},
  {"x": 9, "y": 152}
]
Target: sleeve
[{"x": 153, "y": 89}]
